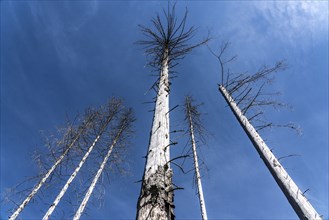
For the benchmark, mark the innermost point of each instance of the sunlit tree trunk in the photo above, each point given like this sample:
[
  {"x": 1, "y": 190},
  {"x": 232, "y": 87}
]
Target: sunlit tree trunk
[
  {"x": 93, "y": 184},
  {"x": 123, "y": 125},
  {"x": 295, "y": 196},
  {"x": 77, "y": 169},
  {"x": 47, "y": 175},
  {"x": 69, "y": 181},
  {"x": 165, "y": 43},
  {"x": 156, "y": 198},
  {"x": 196, "y": 163}
]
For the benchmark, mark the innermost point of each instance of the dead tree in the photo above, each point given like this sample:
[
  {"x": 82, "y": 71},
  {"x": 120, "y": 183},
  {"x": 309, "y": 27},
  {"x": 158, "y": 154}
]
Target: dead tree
[
  {"x": 244, "y": 93},
  {"x": 192, "y": 116},
  {"x": 99, "y": 127},
  {"x": 73, "y": 138},
  {"x": 123, "y": 127},
  {"x": 106, "y": 117},
  {"x": 166, "y": 42}
]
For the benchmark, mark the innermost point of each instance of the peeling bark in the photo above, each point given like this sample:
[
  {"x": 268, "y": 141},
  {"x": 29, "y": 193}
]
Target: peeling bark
[
  {"x": 295, "y": 196},
  {"x": 156, "y": 199}
]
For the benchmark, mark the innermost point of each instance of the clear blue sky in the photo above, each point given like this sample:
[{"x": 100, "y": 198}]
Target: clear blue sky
[{"x": 59, "y": 57}]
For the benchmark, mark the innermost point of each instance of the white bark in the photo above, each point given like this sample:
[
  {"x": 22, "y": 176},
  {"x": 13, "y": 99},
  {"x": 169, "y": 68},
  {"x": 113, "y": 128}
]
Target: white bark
[
  {"x": 155, "y": 201},
  {"x": 158, "y": 152},
  {"x": 73, "y": 175},
  {"x": 69, "y": 181},
  {"x": 298, "y": 201},
  {"x": 43, "y": 180},
  {"x": 94, "y": 182},
  {"x": 196, "y": 167}
]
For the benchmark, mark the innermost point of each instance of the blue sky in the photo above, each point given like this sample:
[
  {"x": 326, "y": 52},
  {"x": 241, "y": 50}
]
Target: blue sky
[{"x": 59, "y": 57}]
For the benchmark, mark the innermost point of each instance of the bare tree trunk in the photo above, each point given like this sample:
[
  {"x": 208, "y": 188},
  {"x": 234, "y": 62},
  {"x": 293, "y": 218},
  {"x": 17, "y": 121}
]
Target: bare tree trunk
[
  {"x": 92, "y": 186},
  {"x": 156, "y": 198},
  {"x": 77, "y": 169},
  {"x": 296, "y": 198},
  {"x": 47, "y": 175},
  {"x": 98, "y": 174},
  {"x": 196, "y": 163},
  {"x": 69, "y": 181},
  {"x": 166, "y": 42}
]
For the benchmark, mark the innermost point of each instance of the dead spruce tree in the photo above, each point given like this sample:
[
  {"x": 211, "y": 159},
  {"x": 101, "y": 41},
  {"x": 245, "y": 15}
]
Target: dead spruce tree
[
  {"x": 105, "y": 117},
  {"x": 192, "y": 116},
  {"x": 166, "y": 42},
  {"x": 120, "y": 134},
  {"x": 88, "y": 136},
  {"x": 245, "y": 94},
  {"x": 67, "y": 143}
]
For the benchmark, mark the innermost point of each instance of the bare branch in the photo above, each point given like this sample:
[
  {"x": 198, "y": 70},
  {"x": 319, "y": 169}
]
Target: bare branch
[{"x": 169, "y": 39}]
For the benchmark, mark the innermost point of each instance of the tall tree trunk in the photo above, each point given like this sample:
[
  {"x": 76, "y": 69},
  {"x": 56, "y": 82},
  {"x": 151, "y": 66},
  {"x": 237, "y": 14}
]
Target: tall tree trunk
[
  {"x": 47, "y": 175},
  {"x": 196, "y": 163},
  {"x": 77, "y": 169},
  {"x": 69, "y": 181},
  {"x": 156, "y": 197},
  {"x": 98, "y": 174},
  {"x": 296, "y": 198}
]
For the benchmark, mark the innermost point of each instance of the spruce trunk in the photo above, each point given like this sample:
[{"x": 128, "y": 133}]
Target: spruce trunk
[
  {"x": 156, "y": 197},
  {"x": 196, "y": 166},
  {"x": 295, "y": 196}
]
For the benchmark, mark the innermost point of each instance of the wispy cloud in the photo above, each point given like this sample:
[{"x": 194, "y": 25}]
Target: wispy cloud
[
  {"x": 57, "y": 29},
  {"x": 293, "y": 20},
  {"x": 271, "y": 30}
]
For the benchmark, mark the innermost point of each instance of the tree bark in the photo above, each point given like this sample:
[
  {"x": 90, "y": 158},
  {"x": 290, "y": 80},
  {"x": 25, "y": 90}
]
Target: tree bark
[
  {"x": 296, "y": 198},
  {"x": 196, "y": 165},
  {"x": 46, "y": 176},
  {"x": 156, "y": 197}
]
